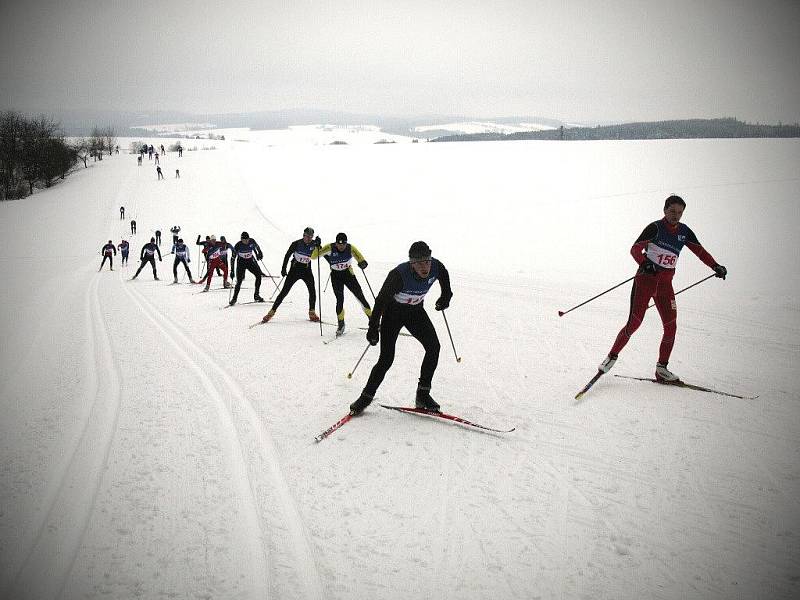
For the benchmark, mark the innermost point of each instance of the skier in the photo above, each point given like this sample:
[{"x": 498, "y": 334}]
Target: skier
[
  {"x": 217, "y": 257},
  {"x": 656, "y": 251},
  {"x": 340, "y": 256},
  {"x": 246, "y": 252},
  {"x": 108, "y": 251},
  {"x": 300, "y": 251},
  {"x": 158, "y": 237},
  {"x": 124, "y": 248},
  {"x": 121, "y": 213},
  {"x": 159, "y": 173},
  {"x": 400, "y": 303},
  {"x": 133, "y": 227},
  {"x": 147, "y": 256},
  {"x": 181, "y": 257},
  {"x": 175, "y": 230}
]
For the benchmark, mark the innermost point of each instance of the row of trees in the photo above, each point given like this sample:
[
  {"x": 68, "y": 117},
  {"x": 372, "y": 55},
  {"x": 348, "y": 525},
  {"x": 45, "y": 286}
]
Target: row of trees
[{"x": 35, "y": 153}]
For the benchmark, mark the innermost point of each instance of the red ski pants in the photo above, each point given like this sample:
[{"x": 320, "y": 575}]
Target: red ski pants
[
  {"x": 212, "y": 266},
  {"x": 658, "y": 287}
]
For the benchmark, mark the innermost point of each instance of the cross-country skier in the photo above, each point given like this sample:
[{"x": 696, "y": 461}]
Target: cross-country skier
[
  {"x": 121, "y": 213},
  {"x": 300, "y": 252},
  {"x": 181, "y": 251},
  {"x": 158, "y": 237},
  {"x": 246, "y": 254},
  {"x": 108, "y": 251},
  {"x": 656, "y": 251},
  {"x": 133, "y": 227},
  {"x": 124, "y": 248},
  {"x": 340, "y": 256},
  {"x": 175, "y": 231},
  {"x": 217, "y": 256},
  {"x": 400, "y": 304},
  {"x": 148, "y": 253}
]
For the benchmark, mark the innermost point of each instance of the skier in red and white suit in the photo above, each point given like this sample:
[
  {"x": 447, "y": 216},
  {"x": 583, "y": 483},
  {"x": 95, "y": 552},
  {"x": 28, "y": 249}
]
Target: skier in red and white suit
[{"x": 656, "y": 251}]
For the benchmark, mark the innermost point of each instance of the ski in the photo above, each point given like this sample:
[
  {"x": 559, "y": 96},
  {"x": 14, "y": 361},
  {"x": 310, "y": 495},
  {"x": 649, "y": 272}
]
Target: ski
[
  {"x": 334, "y": 427},
  {"x": 243, "y": 304},
  {"x": 430, "y": 413},
  {"x": 592, "y": 381},
  {"x": 689, "y": 386},
  {"x": 333, "y": 339},
  {"x": 401, "y": 333}
]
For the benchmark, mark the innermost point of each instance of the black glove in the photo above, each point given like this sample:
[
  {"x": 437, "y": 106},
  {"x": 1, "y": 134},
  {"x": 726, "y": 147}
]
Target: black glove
[
  {"x": 648, "y": 267},
  {"x": 283, "y": 272},
  {"x": 372, "y": 335},
  {"x": 362, "y": 265},
  {"x": 442, "y": 303},
  {"x": 259, "y": 257},
  {"x": 159, "y": 259},
  {"x": 317, "y": 241},
  {"x": 720, "y": 271}
]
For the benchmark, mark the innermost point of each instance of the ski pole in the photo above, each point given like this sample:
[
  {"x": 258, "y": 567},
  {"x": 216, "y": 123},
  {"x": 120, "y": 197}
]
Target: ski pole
[
  {"x": 319, "y": 286},
  {"x": 690, "y": 286},
  {"x": 350, "y": 374},
  {"x": 458, "y": 358},
  {"x": 562, "y": 313},
  {"x": 271, "y": 278},
  {"x": 327, "y": 282},
  {"x": 368, "y": 285},
  {"x": 277, "y": 286}
]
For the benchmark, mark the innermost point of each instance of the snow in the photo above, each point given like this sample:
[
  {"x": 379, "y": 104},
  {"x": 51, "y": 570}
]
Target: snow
[
  {"x": 154, "y": 446},
  {"x": 467, "y": 127}
]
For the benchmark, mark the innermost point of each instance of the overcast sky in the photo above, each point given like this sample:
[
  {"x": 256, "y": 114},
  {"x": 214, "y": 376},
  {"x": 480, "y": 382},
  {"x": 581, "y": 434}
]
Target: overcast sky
[{"x": 575, "y": 60}]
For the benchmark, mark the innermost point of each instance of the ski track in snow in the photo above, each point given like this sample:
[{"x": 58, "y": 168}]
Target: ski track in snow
[
  {"x": 59, "y": 534},
  {"x": 258, "y": 469}
]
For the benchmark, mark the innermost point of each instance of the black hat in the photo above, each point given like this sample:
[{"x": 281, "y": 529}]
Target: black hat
[
  {"x": 180, "y": 240},
  {"x": 419, "y": 251},
  {"x": 308, "y": 231},
  {"x": 341, "y": 238},
  {"x": 245, "y": 235}
]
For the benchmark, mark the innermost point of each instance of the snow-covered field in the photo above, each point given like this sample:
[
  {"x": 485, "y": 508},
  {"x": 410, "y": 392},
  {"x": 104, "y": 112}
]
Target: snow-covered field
[{"x": 153, "y": 446}]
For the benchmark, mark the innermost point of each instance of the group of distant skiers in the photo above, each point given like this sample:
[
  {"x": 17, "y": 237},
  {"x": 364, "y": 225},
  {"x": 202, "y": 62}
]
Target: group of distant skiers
[{"x": 400, "y": 301}]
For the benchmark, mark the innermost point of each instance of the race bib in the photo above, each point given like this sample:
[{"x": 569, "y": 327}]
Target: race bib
[
  {"x": 342, "y": 266},
  {"x": 245, "y": 255},
  {"x": 302, "y": 258},
  {"x": 406, "y": 298},
  {"x": 666, "y": 259}
]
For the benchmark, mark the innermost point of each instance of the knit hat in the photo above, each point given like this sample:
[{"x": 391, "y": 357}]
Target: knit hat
[
  {"x": 341, "y": 238},
  {"x": 419, "y": 251},
  {"x": 309, "y": 231}
]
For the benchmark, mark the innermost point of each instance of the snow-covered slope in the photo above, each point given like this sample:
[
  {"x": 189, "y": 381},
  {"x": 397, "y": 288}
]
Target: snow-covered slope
[{"x": 154, "y": 446}]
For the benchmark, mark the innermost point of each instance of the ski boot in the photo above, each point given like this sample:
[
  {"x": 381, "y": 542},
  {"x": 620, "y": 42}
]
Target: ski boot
[
  {"x": 340, "y": 328},
  {"x": 232, "y": 302},
  {"x": 357, "y": 407},
  {"x": 176, "y": 280},
  {"x": 425, "y": 401},
  {"x": 155, "y": 278},
  {"x": 607, "y": 363},
  {"x": 208, "y": 287},
  {"x": 268, "y": 316},
  {"x": 258, "y": 299},
  {"x": 664, "y": 375},
  {"x": 227, "y": 285},
  {"x": 313, "y": 316}
]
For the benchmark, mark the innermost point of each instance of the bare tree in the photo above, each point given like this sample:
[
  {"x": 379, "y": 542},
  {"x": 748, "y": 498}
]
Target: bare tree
[
  {"x": 81, "y": 146},
  {"x": 109, "y": 139}
]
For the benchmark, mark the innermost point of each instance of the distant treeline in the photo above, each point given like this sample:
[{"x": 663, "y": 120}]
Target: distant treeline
[
  {"x": 35, "y": 153},
  {"x": 655, "y": 130}
]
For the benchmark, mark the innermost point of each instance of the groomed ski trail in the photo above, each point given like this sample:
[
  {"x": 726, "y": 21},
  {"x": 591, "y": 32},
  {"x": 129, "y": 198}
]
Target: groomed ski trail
[{"x": 259, "y": 470}]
